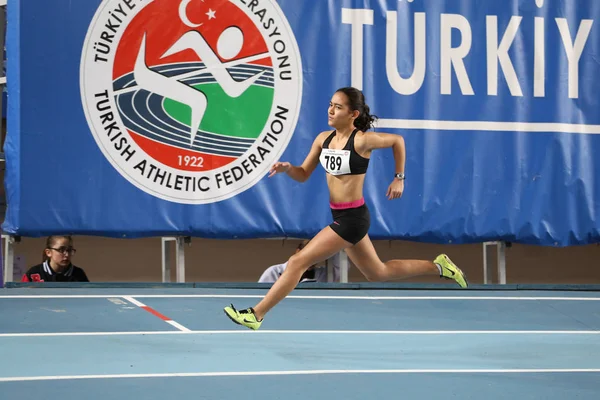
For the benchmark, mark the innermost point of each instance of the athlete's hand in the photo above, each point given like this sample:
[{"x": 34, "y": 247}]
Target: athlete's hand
[
  {"x": 279, "y": 167},
  {"x": 395, "y": 189}
]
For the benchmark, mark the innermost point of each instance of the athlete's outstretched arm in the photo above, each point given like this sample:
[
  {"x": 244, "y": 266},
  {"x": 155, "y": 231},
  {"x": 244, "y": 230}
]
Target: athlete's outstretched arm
[{"x": 301, "y": 173}]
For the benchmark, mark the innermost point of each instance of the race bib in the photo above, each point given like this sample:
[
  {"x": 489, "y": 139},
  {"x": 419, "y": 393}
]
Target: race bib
[{"x": 336, "y": 162}]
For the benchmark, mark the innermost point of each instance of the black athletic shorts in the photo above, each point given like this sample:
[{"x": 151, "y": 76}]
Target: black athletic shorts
[{"x": 351, "y": 224}]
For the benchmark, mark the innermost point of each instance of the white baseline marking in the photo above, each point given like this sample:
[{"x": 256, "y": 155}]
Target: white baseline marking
[
  {"x": 307, "y": 332},
  {"x": 487, "y": 126},
  {"x": 259, "y": 296},
  {"x": 156, "y": 313},
  {"x": 134, "y": 301},
  {"x": 302, "y": 372},
  {"x": 177, "y": 325}
]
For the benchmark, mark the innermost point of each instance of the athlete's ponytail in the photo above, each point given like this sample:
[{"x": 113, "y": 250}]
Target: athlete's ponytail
[{"x": 356, "y": 101}]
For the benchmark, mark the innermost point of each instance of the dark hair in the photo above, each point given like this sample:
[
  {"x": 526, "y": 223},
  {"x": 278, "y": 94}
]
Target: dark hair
[
  {"x": 356, "y": 101},
  {"x": 50, "y": 243}
]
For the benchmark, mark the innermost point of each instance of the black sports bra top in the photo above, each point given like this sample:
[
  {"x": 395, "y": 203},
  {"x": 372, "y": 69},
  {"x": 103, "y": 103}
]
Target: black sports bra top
[{"x": 345, "y": 161}]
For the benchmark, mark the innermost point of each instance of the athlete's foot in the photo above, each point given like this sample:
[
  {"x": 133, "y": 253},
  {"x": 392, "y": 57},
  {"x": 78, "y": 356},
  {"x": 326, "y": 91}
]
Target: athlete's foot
[
  {"x": 450, "y": 270},
  {"x": 245, "y": 317}
]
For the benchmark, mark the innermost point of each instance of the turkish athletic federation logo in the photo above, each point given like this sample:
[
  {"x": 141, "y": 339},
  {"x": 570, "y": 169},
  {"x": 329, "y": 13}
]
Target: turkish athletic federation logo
[{"x": 191, "y": 101}]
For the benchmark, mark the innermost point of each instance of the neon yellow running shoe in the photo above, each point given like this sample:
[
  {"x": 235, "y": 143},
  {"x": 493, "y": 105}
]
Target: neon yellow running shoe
[
  {"x": 450, "y": 270},
  {"x": 244, "y": 317}
]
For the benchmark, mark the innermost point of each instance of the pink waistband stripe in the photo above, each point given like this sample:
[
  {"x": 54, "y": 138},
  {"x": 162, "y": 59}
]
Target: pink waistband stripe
[{"x": 351, "y": 204}]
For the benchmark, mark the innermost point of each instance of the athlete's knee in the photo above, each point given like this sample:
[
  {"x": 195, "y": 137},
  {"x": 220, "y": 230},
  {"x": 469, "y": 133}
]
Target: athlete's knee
[
  {"x": 297, "y": 263},
  {"x": 376, "y": 275}
]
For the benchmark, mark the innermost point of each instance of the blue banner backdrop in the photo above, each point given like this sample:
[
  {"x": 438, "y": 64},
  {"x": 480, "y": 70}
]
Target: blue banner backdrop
[{"x": 132, "y": 118}]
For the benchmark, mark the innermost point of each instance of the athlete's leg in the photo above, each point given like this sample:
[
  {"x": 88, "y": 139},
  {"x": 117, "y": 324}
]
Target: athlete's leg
[
  {"x": 324, "y": 245},
  {"x": 364, "y": 256}
]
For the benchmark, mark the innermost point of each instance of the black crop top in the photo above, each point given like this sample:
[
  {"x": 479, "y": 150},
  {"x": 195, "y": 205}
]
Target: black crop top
[{"x": 345, "y": 161}]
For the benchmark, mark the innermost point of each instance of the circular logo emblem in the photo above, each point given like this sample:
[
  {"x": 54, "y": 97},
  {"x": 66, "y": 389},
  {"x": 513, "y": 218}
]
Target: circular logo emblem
[{"x": 191, "y": 101}]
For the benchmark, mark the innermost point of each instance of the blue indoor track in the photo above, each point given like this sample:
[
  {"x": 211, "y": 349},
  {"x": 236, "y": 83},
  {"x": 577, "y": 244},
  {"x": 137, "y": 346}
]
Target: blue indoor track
[{"x": 176, "y": 343}]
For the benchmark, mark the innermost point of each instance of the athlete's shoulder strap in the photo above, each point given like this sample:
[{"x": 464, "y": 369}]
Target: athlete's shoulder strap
[{"x": 328, "y": 140}]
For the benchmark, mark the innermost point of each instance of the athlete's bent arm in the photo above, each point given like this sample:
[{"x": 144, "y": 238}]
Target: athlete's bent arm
[
  {"x": 303, "y": 172},
  {"x": 375, "y": 140},
  {"x": 396, "y": 142}
]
